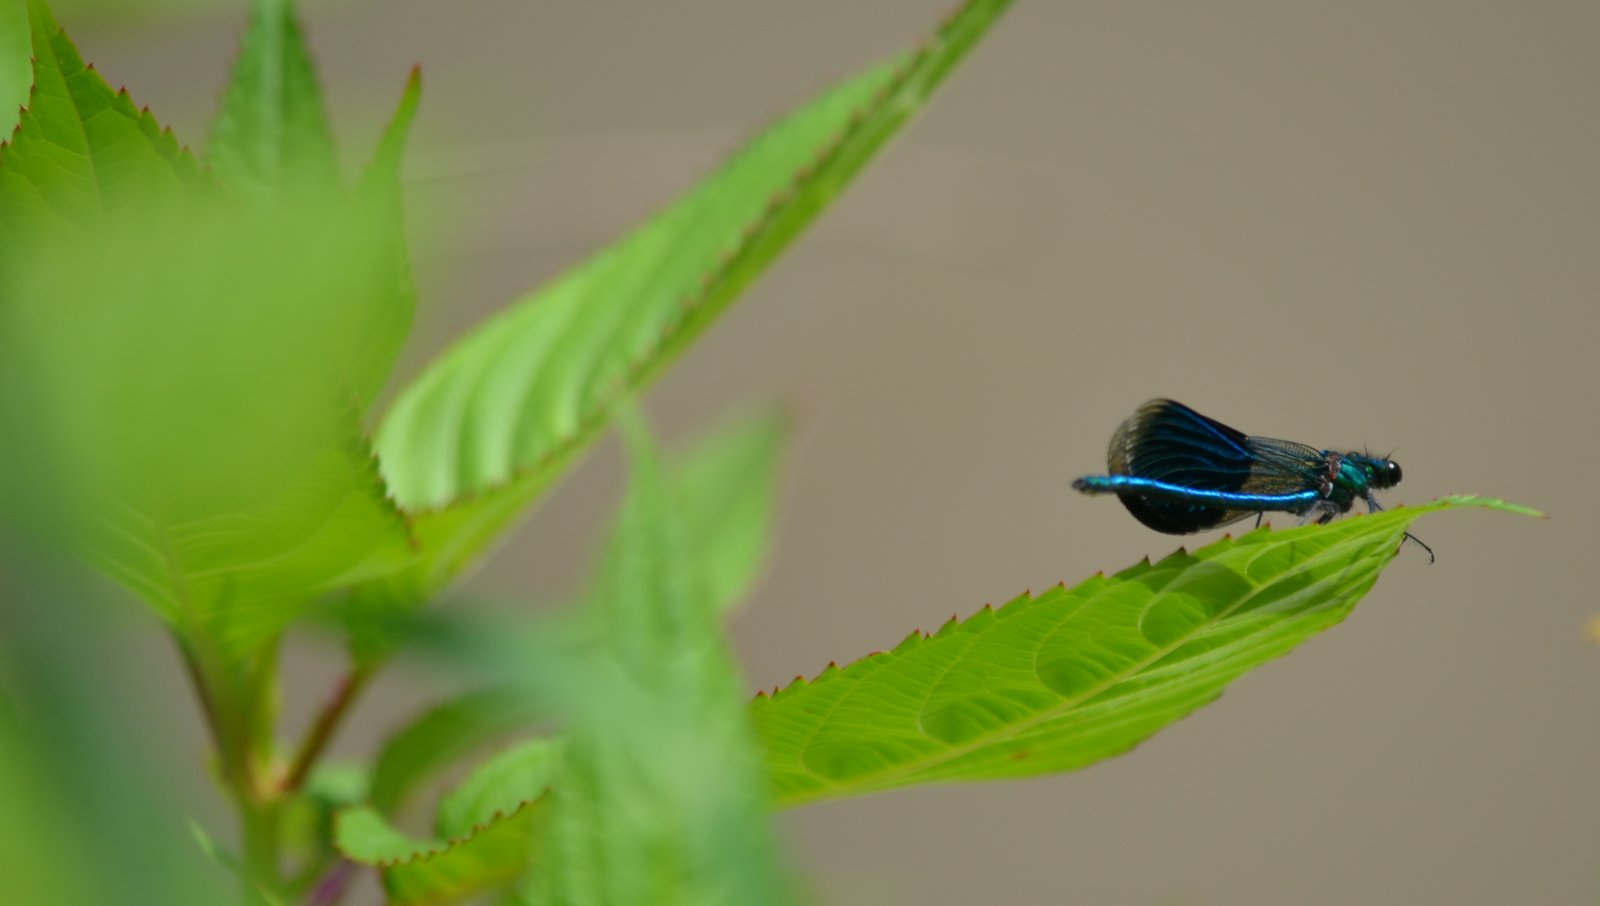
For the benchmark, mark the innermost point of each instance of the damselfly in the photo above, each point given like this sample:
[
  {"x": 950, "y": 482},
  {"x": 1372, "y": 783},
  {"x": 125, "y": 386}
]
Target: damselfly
[{"x": 1178, "y": 471}]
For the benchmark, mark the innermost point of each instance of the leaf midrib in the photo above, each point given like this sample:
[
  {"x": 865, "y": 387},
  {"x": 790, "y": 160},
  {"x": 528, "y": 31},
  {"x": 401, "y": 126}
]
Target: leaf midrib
[{"x": 80, "y": 124}]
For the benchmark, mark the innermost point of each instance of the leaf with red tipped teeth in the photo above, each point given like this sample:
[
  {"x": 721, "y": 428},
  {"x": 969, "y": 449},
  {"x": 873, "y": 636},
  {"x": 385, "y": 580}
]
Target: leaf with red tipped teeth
[
  {"x": 426, "y": 872},
  {"x": 493, "y": 820},
  {"x": 81, "y": 150},
  {"x": 444, "y": 734},
  {"x": 16, "y": 70},
  {"x": 1062, "y": 680},
  {"x": 271, "y": 132},
  {"x": 491, "y": 424}
]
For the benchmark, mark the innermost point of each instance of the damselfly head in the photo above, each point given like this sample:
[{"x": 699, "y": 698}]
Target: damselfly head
[{"x": 1381, "y": 473}]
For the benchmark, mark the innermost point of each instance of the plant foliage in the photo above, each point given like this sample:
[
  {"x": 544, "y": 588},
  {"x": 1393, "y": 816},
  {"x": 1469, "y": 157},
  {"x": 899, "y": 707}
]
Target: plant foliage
[
  {"x": 1057, "y": 681},
  {"x": 191, "y": 353}
]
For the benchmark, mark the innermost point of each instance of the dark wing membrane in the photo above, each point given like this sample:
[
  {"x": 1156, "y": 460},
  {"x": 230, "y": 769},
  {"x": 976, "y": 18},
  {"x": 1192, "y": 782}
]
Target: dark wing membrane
[
  {"x": 1167, "y": 441},
  {"x": 1283, "y": 466}
]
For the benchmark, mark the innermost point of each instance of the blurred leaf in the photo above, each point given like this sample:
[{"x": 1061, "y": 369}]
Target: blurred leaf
[
  {"x": 367, "y": 837},
  {"x": 126, "y": 12},
  {"x": 383, "y": 173},
  {"x": 660, "y": 798},
  {"x": 492, "y": 423},
  {"x": 493, "y": 820},
  {"x": 338, "y": 784},
  {"x": 271, "y": 132},
  {"x": 82, "y": 150},
  {"x": 307, "y": 822},
  {"x": 380, "y": 189},
  {"x": 223, "y": 857},
  {"x": 16, "y": 66},
  {"x": 214, "y": 449},
  {"x": 500, "y": 786},
  {"x": 725, "y": 488},
  {"x": 443, "y": 735},
  {"x": 82, "y": 781},
  {"x": 1062, "y": 680},
  {"x": 428, "y": 872}
]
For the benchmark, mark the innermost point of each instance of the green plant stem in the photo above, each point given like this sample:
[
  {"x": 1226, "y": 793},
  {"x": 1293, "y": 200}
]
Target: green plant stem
[
  {"x": 321, "y": 733},
  {"x": 260, "y": 823},
  {"x": 240, "y": 709}
]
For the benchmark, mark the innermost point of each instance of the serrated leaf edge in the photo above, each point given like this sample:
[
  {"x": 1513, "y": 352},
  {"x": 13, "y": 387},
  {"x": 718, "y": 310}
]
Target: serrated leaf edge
[
  {"x": 446, "y": 847},
  {"x": 144, "y": 112},
  {"x": 637, "y": 370},
  {"x": 1021, "y": 602}
]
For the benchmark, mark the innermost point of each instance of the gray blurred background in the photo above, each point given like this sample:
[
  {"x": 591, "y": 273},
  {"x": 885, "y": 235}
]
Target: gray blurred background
[{"x": 1359, "y": 224}]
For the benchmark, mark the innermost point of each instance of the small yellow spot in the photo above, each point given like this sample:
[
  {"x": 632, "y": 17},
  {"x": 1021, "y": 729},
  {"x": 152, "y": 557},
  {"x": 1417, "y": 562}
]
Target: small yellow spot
[{"x": 1594, "y": 630}]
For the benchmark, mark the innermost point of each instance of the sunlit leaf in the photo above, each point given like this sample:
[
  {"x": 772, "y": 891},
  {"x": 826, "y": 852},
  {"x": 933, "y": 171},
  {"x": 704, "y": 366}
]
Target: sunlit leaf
[
  {"x": 82, "y": 150},
  {"x": 492, "y": 423},
  {"x": 1061, "y": 680}
]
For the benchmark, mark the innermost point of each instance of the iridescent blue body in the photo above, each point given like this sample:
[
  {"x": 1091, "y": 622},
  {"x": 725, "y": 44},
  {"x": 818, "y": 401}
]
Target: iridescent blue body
[{"x": 1178, "y": 471}]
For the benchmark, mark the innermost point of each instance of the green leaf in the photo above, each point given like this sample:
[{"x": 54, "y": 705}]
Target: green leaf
[
  {"x": 383, "y": 173},
  {"x": 428, "y": 872},
  {"x": 723, "y": 489},
  {"x": 479, "y": 435},
  {"x": 493, "y": 823},
  {"x": 500, "y": 786},
  {"x": 660, "y": 798},
  {"x": 445, "y": 734},
  {"x": 16, "y": 67},
  {"x": 726, "y": 489},
  {"x": 81, "y": 150},
  {"x": 380, "y": 189},
  {"x": 363, "y": 835},
  {"x": 1062, "y": 680},
  {"x": 210, "y": 451},
  {"x": 271, "y": 132}
]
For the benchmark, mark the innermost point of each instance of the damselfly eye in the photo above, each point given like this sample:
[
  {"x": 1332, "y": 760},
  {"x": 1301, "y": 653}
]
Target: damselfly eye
[{"x": 1393, "y": 473}]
